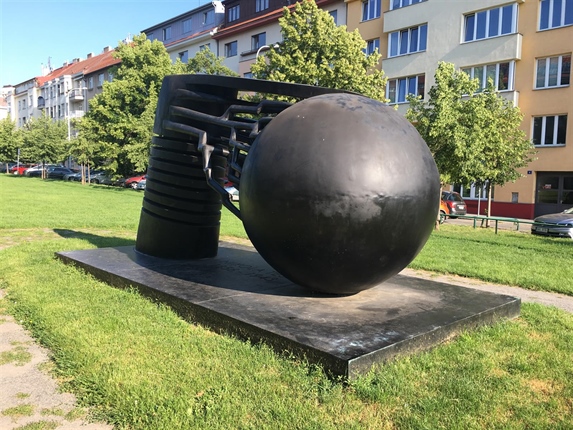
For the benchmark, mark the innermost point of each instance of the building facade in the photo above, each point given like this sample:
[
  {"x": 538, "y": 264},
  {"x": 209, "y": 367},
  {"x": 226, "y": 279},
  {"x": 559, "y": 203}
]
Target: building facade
[
  {"x": 188, "y": 33},
  {"x": 62, "y": 93},
  {"x": 524, "y": 46}
]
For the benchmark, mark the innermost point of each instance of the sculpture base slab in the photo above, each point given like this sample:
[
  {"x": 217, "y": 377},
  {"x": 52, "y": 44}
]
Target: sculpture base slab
[{"x": 237, "y": 292}]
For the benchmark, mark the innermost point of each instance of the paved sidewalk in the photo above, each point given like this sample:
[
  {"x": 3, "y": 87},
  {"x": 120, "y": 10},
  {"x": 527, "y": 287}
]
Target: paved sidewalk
[{"x": 29, "y": 394}]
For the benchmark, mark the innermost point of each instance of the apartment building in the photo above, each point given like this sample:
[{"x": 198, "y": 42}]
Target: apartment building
[
  {"x": 62, "y": 93},
  {"x": 188, "y": 33},
  {"x": 237, "y": 30},
  {"x": 525, "y": 46}
]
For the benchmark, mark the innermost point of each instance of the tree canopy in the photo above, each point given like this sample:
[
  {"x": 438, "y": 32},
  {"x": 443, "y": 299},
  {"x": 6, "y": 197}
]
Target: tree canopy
[
  {"x": 204, "y": 61},
  {"x": 315, "y": 51},
  {"x": 10, "y": 140},
  {"x": 44, "y": 140},
  {"x": 119, "y": 124},
  {"x": 474, "y": 136},
  {"x": 120, "y": 119}
]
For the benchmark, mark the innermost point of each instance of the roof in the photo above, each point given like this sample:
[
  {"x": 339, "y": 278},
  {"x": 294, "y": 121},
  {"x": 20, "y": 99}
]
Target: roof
[{"x": 87, "y": 66}]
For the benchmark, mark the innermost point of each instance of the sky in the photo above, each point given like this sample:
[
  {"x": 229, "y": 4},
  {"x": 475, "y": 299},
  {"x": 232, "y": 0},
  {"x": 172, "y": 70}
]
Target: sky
[{"x": 33, "y": 32}]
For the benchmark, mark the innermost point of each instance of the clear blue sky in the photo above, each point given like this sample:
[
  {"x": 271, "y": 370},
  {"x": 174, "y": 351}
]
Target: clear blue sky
[{"x": 31, "y": 31}]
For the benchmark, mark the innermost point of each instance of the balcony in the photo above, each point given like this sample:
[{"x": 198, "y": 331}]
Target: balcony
[{"x": 76, "y": 95}]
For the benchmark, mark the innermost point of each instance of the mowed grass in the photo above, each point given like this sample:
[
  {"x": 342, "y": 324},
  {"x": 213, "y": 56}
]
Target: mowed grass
[
  {"x": 508, "y": 257},
  {"x": 137, "y": 365}
]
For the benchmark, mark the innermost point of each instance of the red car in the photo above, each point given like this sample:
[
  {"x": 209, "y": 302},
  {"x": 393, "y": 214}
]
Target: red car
[
  {"x": 19, "y": 169},
  {"x": 133, "y": 181}
]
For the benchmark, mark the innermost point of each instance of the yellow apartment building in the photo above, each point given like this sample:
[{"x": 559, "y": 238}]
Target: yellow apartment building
[{"x": 525, "y": 46}]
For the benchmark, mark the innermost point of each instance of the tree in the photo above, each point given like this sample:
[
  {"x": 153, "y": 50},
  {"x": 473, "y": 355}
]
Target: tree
[
  {"x": 204, "y": 61},
  {"x": 44, "y": 140},
  {"x": 120, "y": 119},
  {"x": 473, "y": 136},
  {"x": 315, "y": 51},
  {"x": 502, "y": 145},
  {"x": 119, "y": 124},
  {"x": 10, "y": 141},
  {"x": 443, "y": 123}
]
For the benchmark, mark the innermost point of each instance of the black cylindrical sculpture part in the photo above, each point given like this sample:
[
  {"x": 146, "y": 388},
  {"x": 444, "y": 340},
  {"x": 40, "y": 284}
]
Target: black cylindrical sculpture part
[{"x": 338, "y": 192}]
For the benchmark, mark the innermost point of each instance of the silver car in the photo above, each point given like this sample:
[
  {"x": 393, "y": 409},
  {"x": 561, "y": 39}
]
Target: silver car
[{"x": 560, "y": 224}]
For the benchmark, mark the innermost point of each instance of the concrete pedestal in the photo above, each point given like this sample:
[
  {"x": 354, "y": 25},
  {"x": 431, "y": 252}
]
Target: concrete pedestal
[{"x": 238, "y": 292}]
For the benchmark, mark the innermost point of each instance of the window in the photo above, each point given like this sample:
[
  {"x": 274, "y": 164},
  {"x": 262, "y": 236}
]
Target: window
[
  {"x": 100, "y": 80},
  {"x": 553, "y": 71},
  {"x": 208, "y": 17},
  {"x": 205, "y": 46},
  {"x": 261, "y": 5},
  {"x": 555, "y": 13},
  {"x": 334, "y": 15},
  {"x": 397, "y": 4},
  {"x": 398, "y": 89},
  {"x": 372, "y": 46},
  {"x": 184, "y": 56},
  {"x": 91, "y": 83},
  {"x": 370, "y": 9},
  {"x": 490, "y": 23},
  {"x": 167, "y": 33},
  {"x": 549, "y": 130},
  {"x": 258, "y": 40},
  {"x": 408, "y": 41},
  {"x": 187, "y": 25},
  {"x": 234, "y": 13},
  {"x": 500, "y": 73},
  {"x": 473, "y": 191},
  {"x": 248, "y": 75},
  {"x": 231, "y": 49}
]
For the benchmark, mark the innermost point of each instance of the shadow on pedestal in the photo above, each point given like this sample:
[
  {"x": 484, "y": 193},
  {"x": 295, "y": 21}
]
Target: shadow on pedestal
[{"x": 239, "y": 293}]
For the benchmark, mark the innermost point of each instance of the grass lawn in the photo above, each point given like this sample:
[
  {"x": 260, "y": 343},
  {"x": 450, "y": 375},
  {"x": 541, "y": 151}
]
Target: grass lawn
[{"x": 137, "y": 365}]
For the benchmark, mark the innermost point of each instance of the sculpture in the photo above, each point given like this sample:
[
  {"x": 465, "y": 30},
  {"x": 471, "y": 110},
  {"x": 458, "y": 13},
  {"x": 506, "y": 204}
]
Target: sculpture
[{"x": 338, "y": 192}]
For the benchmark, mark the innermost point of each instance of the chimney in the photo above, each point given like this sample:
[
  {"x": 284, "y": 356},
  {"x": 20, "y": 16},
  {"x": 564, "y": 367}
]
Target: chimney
[
  {"x": 90, "y": 55},
  {"x": 107, "y": 49},
  {"x": 76, "y": 60}
]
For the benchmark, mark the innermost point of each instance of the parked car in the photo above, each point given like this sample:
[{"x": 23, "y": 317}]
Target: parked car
[
  {"x": 19, "y": 169},
  {"x": 559, "y": 224},
  {"x": 36, "y": 171},
  {"x": 452, "y": 205},
  {"x": 140, "y": 185},
  {"x": 58, "y": 172},
  {"x": 101, "y": 178},
  {"x": 5, "y": 167},
  {"x": 133, "y": 181},
  {"x": 233, "y": 192},
  {"x": 74, "y": 176}
]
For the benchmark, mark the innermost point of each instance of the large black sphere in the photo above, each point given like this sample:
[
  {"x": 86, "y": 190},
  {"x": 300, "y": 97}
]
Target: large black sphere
[{"x": 338, "y": 193}]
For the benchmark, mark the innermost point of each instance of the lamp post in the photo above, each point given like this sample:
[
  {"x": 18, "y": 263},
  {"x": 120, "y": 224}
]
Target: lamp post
[{"x": 265, "y": 47}]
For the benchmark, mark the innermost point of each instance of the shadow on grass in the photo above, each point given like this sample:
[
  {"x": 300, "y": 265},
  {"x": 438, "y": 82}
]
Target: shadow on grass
[{"x": 94, "y": 239}]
